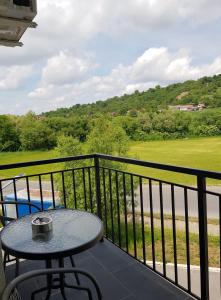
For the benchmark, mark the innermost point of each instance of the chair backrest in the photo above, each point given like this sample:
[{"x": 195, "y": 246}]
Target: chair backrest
[
  {"x": 14, "y": 295},
  {"x": 2, "y": 274},
  {"x": 9, "y": 290},
  {"x": 4, "y": 219}
]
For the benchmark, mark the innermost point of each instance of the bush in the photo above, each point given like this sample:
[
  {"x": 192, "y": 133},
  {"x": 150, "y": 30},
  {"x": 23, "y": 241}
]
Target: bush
[{"x": 206, "y": 130}]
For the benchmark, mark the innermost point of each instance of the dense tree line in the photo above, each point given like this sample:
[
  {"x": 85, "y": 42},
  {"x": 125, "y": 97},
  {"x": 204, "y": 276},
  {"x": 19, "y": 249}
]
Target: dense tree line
[
  {"x": 142, "y": 116},
  {"x": 31, "y": 132},
  {"x": 171, "y": 125}
]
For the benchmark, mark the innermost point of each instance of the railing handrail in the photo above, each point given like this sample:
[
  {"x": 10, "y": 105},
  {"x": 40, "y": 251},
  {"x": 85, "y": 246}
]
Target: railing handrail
[
  {"x": 165, "y": 167},
  {"x": 45, "y": 161},
  {"x": 132, "y": 161}
]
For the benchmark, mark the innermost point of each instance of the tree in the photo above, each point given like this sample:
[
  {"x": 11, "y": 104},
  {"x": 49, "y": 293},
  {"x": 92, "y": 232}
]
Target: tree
[
  {"x": 73, "y": 186},
  {"x": 105, "y": 138},
  {"x": 35, "y": 134},
  {"x": 9, "y": 138}
]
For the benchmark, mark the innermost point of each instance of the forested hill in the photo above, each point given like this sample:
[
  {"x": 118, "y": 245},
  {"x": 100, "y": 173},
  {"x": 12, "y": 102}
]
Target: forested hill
[
  {"x": 140, "y": 116},
  {"x": 206, "y": 90}
]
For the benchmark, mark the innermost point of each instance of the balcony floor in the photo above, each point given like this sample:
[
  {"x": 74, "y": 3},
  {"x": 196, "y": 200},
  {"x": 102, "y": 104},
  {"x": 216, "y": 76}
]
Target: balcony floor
[{"x": 120, "y": 277}]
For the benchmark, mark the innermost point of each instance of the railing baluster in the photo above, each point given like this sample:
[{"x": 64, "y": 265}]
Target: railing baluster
[
  {"x": 74, "y": 188},
  {"x": 152, "y": 224},
  {"x": 142, "y": 220},
  {"x": 41, "y": 194},
  {"x": 174, "y": 233},
  {"x": 162, "y": 229},
  {"x": 118, "y": 208},
  {"x": 203, "y": 238},
  {"x": 187, "y": 240},
  {"x": 90, "y": 189},
  {"x": 63, "y": 188},
  {"x": 2, "y": 199},
  {"x": 52, "y": 190},
  {"x": 16, "y": 198},
  {"x": 98, "y": 187},
  {"x": 220, "y": 239},
  {"x": 111, "y": 208},
  {"x": 105, "y": 203},
  {"x": 125, "y": 212},
  {"x": 84, "y": 189},
  {"x": 28, "y": 193},
  {"x": 133, "y": 215}
]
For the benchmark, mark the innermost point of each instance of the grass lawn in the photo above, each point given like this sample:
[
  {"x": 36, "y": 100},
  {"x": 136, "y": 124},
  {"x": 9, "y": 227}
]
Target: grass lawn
[
  {"x": 201, "y": 153},
  {"x": 15, "y": 157},
  {"x": 213, "y": 244}
]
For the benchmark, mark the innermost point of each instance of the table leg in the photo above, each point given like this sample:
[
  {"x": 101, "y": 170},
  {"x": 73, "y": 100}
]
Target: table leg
[
  {"x": 49, "y": 279},
  {"x": 76, "y": 275},
  {"x": 64, "y": 285},
  {"x": 16, "y": 267},
  {"x": 62, "y": 278},
  {"x": 49, "y": 287}
]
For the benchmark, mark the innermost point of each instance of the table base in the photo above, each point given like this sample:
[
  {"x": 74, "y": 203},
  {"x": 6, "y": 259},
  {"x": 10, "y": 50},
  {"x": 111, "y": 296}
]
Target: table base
[{"x": 60, "y": 283}]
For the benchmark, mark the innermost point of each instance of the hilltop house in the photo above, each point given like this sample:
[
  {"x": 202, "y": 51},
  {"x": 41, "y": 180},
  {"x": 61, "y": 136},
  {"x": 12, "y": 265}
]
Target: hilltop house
[{"x": 188, "y": 107}]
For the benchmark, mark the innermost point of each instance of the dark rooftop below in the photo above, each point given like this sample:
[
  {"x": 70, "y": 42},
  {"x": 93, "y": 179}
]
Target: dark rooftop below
[{"x": 120, "y": 277}]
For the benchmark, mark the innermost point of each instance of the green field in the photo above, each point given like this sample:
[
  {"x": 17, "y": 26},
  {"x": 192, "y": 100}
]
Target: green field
[
  {"x": 201, "y": 153},
  {"x": 15, "y": 157},
  {"x": 213, "y": 244}
]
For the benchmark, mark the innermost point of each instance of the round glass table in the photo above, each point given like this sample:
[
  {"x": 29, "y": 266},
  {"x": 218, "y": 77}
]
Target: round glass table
[{"x": 73, "y": 231}]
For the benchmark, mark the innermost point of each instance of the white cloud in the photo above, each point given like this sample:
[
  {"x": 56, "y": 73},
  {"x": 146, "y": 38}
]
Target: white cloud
[
  {"x": 69, "y": 24},
  {"x": 158, "y": 13},
  {"x": 65, "y": 68},
  {"x": 199, "y": 10},
  {"x": 130, "y": 88},
  {"x": 68, "y": 28},
  {"x": 154, "y": 66},
  {"x": 14, "y": 77}
]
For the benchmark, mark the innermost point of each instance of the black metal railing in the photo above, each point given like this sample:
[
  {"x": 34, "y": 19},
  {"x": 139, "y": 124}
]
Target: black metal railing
[{"x": 135, "y": 209}]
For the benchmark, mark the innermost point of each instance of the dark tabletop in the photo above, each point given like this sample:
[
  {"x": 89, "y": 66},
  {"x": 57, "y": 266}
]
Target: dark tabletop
[{"x": 73, "y": 231}]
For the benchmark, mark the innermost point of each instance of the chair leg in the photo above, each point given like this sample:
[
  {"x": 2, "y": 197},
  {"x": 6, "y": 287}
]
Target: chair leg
[
  {"x": 63, "y": 293},
  {"x": 17, "y": 267},
  {"x": 73, "y": 265},
  {"x": 5, "y": 260}
]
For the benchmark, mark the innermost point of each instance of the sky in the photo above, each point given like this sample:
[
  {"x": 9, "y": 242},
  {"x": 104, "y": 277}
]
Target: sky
[{"x": 88, "y": 50}]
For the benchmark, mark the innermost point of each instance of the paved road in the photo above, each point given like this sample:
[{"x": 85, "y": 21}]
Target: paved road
[
  {"x": 212, "y": 201},
  {"x": 21, "y": 184}
]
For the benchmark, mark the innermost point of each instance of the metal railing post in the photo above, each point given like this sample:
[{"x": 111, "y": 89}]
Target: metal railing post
[
  {"x": 203, "y": 238},
  {"x": 98, "y": 187}
]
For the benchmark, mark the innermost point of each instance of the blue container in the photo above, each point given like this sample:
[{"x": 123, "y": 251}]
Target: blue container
[{"x": 10, "y": 210}]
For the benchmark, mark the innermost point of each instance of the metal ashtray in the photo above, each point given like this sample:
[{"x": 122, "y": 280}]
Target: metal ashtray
[{"x": 41, "y": 225}]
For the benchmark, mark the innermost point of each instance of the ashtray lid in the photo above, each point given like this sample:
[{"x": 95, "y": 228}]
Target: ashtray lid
[{"x": 44, "y": 220}]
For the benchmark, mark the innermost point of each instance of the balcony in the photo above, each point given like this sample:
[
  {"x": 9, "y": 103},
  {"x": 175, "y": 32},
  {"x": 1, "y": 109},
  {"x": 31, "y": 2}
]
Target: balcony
[{"x": 162, "y": 239}]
